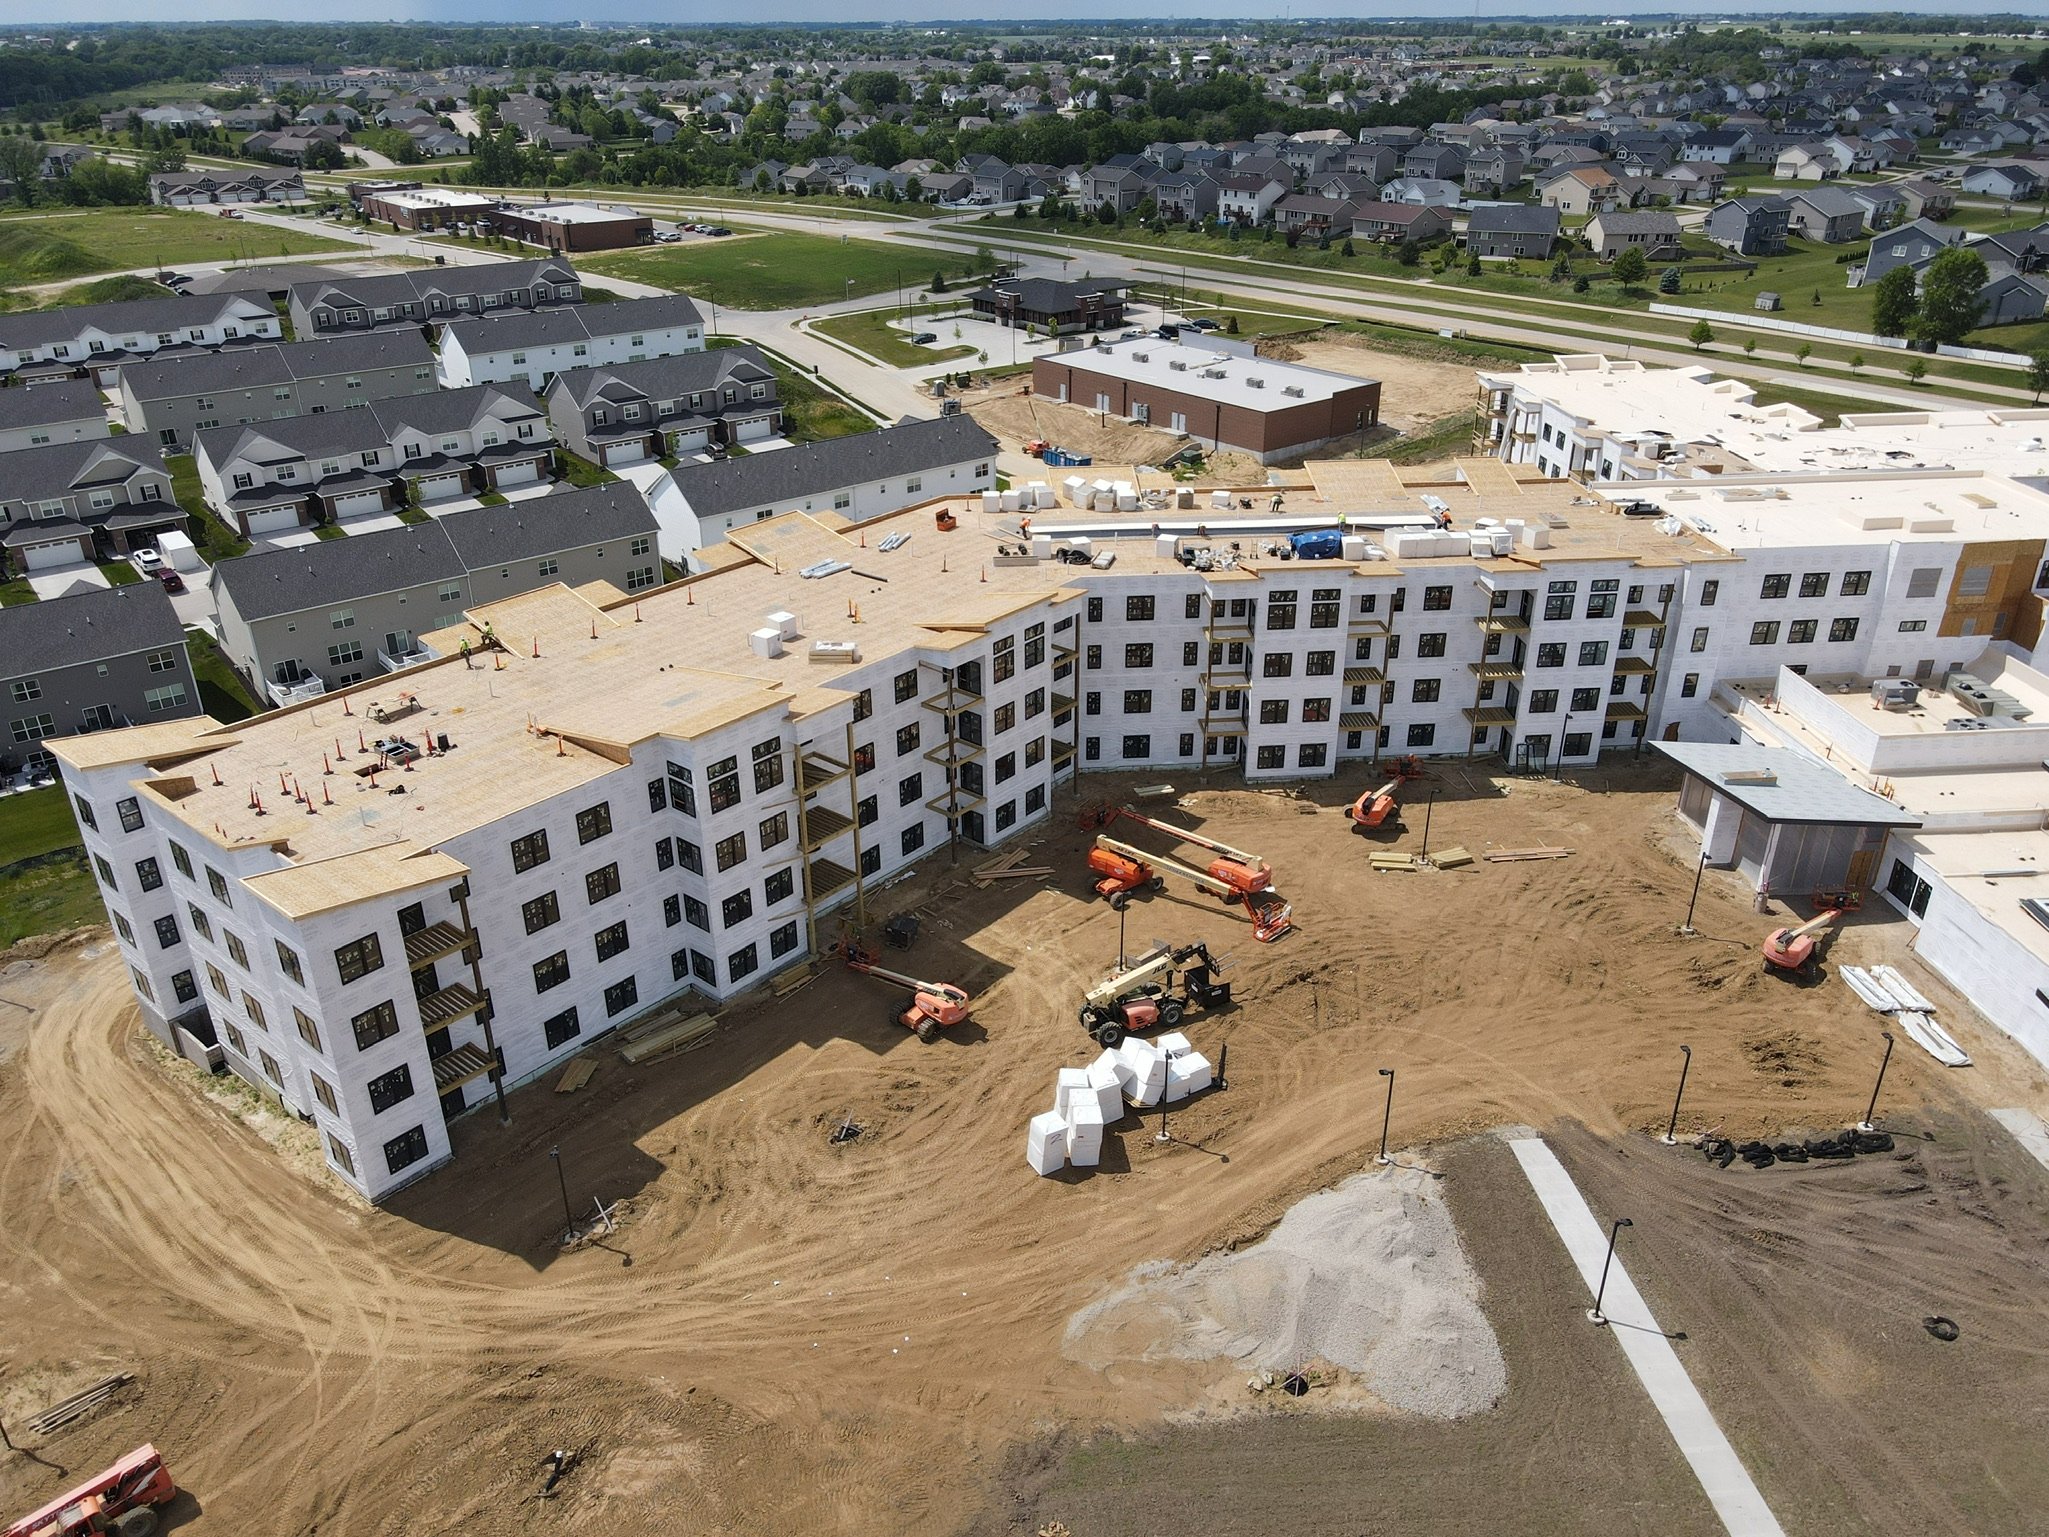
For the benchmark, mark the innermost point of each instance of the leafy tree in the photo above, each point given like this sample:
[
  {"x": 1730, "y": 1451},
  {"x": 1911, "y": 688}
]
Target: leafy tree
[
  {"x": 1701, "y": 334},
  {"x": 938, "y": 282},
  {"x": 1749, "y": 345},
  {"x": 1582, "y": 284},
  {"x": 21, "y": 162},
  {"x": 1347, "y": 249},
  {"x": 1950, "y": 305},
  {"x": 1668, "y": 281},
  {"x": 1231, "y": 325},
  {"x": 1806, "y": 351},
  {"x": 1106, "y": 212},
  {"x": 1916, "y": 370},
  {"x": 1856, "y": 362},
  {"x": 1894, "y": 302},
  {"x": 1408, "y": 254},
  {"x": 1631, "y": 267},
  {"x": 1473, "y": 268}
]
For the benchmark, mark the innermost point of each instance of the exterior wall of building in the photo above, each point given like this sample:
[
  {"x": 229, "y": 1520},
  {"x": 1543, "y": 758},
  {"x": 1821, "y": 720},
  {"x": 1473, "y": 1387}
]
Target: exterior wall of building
[
  {"x": 684, "y": 532},
  {"x": 55, "y": 432},
  {"x": 460, "y": 367},
  {"x": 575, "y": 235},
  {"x": 170, "y": 422},
  {"x": 1268, "y": 433},
  {"x": 93, "y": 344},
  {"x": 128, "y": 690}
]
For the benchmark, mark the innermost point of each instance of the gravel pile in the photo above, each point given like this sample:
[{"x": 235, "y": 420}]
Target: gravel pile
[{"x": 1368, "y": 1276}]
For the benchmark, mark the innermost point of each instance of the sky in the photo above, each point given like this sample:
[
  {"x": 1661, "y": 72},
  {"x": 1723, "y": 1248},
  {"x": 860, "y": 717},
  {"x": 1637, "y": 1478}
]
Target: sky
[{"x": 628, "y": 12}]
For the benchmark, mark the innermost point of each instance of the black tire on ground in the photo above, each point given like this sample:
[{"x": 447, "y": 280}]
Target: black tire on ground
[
  {"x": 1170, "y": 1012},
  {"x": 1118, "y": 900},
  {"x": 1110, "y": 1036},
  {"x": 928, "y": 1032},
  {"x": 900, "y": 1013},
  {"x": 1944, "y": 1329},
  {"x": 139, "y": 1522},
  {"x": 1158, "y": 883}
]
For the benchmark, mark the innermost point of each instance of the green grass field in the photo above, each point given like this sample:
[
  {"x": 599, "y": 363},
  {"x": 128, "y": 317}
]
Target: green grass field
[
  {"x": 50, "y": 245},
  {"x": 49, "y": 883},
  {"x": 873, "y": 334},
  {"x": 780, "y": 271},
  {"x": 221, "y": 693}
]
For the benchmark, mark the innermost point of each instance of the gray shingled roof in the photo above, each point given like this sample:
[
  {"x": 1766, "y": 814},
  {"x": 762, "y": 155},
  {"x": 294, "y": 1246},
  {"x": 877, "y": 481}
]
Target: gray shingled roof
[
  {"x": 541, "y": 525},
  {"x": 42, "y": 405},
  {"x": 402, "y": 287},
  {"x": 57, "y": 468},
  {"x": 790, "y": 474},
  {"x": 1048, "y": 295},
  {"x": 1512, "y": 219},
  {"x": 86, "y": 627},
  {"x": 666, "y": 378},
  {"x": 452, "y": 410},
  {"x": 173, "y": 312},
  {"x": 337, "y": 570},
  {"x": 507, "y": 330},
  {"x": 244, "y": 368}
]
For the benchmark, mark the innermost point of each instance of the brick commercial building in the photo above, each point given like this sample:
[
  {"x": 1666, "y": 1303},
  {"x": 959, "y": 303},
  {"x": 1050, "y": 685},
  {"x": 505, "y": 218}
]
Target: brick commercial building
[
  {"x": 573, "y": 226},
  {"x": 1039, "y": 303},
  {"x": 1218, "y": 393},
  {"x": 425, "y": 209}
]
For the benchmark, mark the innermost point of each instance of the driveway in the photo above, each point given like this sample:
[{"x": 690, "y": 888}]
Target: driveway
[{"x": 59, "y": 580}]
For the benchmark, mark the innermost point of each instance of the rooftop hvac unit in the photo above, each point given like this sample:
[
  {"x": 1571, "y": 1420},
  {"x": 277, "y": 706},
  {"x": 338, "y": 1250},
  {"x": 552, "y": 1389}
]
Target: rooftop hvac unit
[
  {"x": 835, "y": 651},
  {"x": 1179, "y": 368},
  {"x": 1895, "y": 693},
  {"x": 1141, "y": 357},
  {"x": 766, "y": 642},
  {"x": 1293, "y": 389},
  {"x": 1255, "y": 384},
  {"x": 784, "y": 621}
]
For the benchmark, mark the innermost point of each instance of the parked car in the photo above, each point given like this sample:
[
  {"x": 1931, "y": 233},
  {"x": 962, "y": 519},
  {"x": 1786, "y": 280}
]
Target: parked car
[
  {"x": 1167, "y": 333},
  {"x": 667, "y": 236},
  {"x": 1205, "y": 324},
  {"x": 925, "y": 338},
  {"x": 229, "y": 213},
  {"x": 147, "y": 561},
  {"x": 171, "y": 580},
  {"x": 718, "y": 229}
]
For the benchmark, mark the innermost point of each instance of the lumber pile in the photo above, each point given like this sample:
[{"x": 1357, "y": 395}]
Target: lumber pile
[
  {"x": 1452, "y": 858},
  {"x": 1006, "y": 867},
  {"x": 676, "y": 1035},
  {"x": 1388, "y": 862},
  {"x": 784, "y": 983},
  {"x": 79, "y": 1404},
  {"x": 576, "y": 1075},
  {"x": 1509, "y": 856}
]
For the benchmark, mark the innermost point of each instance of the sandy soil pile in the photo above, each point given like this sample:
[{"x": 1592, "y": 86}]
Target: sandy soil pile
[
  {"x": 1367, "y": 1277},
  {"x": 1115, "y": 444},
  {"x": 736, "y": 1358}
]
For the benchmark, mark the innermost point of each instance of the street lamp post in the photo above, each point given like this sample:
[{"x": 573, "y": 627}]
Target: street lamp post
[
  {"x": 1428, "y": 807},
  {"x": 1871, "y": 1109},
  {"x": 568, "y": 1218},
  {"x": 1700, "y": 870},
  {"x": 1558, "y": 768},
  {"x": 1673, "y": 1125},
  {"x": 1594, "y": 1313},
  {"x": 1386, "y": 1115}
]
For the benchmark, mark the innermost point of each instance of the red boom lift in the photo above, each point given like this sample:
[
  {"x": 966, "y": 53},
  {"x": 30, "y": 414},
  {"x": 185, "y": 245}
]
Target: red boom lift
[
  {"x": 932, "y": 1006},
  {"x": 1235, "y": 876},
  {"x": 122, "y": 1500}
]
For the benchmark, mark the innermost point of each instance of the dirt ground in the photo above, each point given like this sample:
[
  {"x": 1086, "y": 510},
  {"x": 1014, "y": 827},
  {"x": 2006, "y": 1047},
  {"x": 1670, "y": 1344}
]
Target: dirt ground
[
  {"x": 1117, "y": 447},
  {"x": 788, "y": 1334},
  {"x": 1415, "y": 392}
]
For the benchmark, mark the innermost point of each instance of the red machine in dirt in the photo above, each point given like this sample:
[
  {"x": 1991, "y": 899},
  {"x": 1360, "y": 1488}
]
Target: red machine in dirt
[
  {"x": 932, "y": 1006},
  {"x": 1792, "y": 950},
  {"x": 1237, "y": 877},
  {"x": 122, "y": 1500},
  {"x": 1376, "y": 806}
]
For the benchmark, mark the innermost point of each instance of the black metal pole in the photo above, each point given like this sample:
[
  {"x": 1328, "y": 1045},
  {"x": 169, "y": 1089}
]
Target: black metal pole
[
  {"x": 568, "y": 1217},
  {"x": 1428, "y": 806},
  {"x": 1699, "y": 871},
  {"x": 1601, "y": 1291},
  {"x": 1871, "y": 1109},
  {"x": 1223, "y": 1058},
  {"x": 1558, "y": 768},
  {"x": 1387, "y": 1114},
  {"x": 1164, "y": 1135},
  {"x": 1121, "y": 963},
  {"x": 1673, "y": 1124}
]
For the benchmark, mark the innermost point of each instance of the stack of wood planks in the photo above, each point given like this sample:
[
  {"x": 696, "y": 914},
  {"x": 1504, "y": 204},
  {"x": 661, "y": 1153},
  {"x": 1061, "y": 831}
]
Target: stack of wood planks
[
  {"x": 1507, "y": 856},
  {"x": 1451, "y": 858},
  {"x": 1387, "y": 861},
  {"x": 1006, "y": 867},
  {"x": 666, "y": 1033},
  {"x": 79, "y": 1404},
  {"x": 576, "y": 1075},
  {"x": 784, "y": 983}
]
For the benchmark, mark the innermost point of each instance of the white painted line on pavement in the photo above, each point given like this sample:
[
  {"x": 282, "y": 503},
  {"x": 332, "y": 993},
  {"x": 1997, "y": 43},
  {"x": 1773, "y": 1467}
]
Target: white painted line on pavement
[
  {"x": 1721, "y": 1472},
  {"x": 2028, "y": 1131}
]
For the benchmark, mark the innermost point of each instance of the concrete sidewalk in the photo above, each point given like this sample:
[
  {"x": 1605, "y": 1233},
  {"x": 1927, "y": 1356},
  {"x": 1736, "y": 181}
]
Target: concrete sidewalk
[
  {"x": 1714, "y": 1461},
  {"x": 2028, "y": 1131}
]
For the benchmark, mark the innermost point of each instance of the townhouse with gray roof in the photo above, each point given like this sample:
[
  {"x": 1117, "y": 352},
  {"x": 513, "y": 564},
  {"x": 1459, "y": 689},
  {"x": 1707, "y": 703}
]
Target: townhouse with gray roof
[
  {"x": 87, "y": 500},
  {"x": 631, "y": 412},
  {"x": 1825, "y": 213},
  {"x": 54, "y": 411},
  {"x": 297, "y": 622},
  {"x": 169, "y": 400},
  {"x": 862, "y": 476},
  {"x": 535, "y": 345},
  {"x": 1512, "y": 230},
  {"x": 93, "y": 660},
  {"x": 96, "y": 339},
  {"x": 272, "y": 477},
  {"x": 432, "y": 296}
]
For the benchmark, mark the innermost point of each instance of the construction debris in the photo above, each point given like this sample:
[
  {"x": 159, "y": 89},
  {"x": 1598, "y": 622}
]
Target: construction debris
[
  {"x": 1385, "y": 863},
  {"x": 1887, "y": 991},
  {"x": 576, "y": 1075},
  {"x": 79, "y": 1404},
  {"x": 1505, "y": 856},
  {"x": 784, "y": 983},
  {"x": 1452, "y": 858}
]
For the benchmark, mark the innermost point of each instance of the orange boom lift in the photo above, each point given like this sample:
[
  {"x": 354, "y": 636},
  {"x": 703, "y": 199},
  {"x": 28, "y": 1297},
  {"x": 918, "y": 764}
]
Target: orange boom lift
[{"x": 1235, "y": 876}]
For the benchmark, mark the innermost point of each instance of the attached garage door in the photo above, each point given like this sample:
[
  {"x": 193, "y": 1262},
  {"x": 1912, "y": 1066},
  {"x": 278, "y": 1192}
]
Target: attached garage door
[
  {"x": 622, "y": 453},
  {"x": 358, "y": 503},
  {"x": 692, "y": 442},
  {"x": 519, "y": 474},
  {"x": 433, "y": 486},
  {"x": 761, "y": 427},
  {"x": 46, "y": 557},
  {"x": 274, "y": 520}
]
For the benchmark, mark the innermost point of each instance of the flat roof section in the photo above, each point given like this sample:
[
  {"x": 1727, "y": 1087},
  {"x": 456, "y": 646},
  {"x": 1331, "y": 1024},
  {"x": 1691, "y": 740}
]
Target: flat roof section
[
  {"x": 1781, "y": 784},
  {"x": 1258, "y": 384},
  {"x": 1764, "y": 512},
  {"x": 572, "y": 213}
]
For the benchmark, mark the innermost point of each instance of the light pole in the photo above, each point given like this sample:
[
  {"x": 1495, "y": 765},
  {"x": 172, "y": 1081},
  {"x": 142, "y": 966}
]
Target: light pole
[
  {"x": 568, "y": 1218},
  {"x": 1871, "y": 1109},
  {"x": 1428, "y": 807},
  {"x": 1594, "y": 1313},
  {"x": 1558, "y": 768},
  {"x": 1386, "y": 1115},
  {"x": 1687, "y": 927},
  {"x": 1673, "y": 1125}
]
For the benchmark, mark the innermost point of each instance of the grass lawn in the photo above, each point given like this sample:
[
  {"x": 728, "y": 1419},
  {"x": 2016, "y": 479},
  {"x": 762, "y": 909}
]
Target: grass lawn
[
  {"x": 811, "y": 412},
  {"x": 221, "y": 693},
  {"x": 215, "y": 540},
  {"x": 16, "y": 590},
  {"x": 579, "y": 471},
  {"x": 1827, "y": 407},
  {"x": 780, "y": 271},
  {"x": 49, "y": 884},
  {"x": 873, "y": 334},
  {"x": 329, "y": 531},
  {"x": 119, "y": 573},
  {"x": 49, "y": 245},
  {"x": 1446, "y": 438}
]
